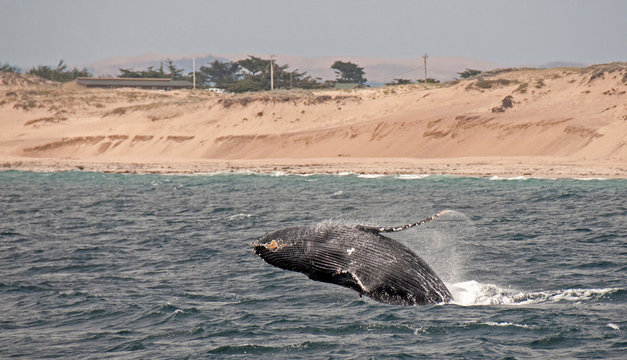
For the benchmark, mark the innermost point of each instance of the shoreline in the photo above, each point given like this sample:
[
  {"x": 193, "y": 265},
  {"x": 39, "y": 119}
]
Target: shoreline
[
  {"x": 555, "y": 123},
  {"x": 479, "y": 167}
]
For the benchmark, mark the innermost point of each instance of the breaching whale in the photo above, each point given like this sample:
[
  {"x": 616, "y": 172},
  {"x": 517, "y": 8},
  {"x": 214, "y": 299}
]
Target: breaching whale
[{"x": 357, "y": 257}]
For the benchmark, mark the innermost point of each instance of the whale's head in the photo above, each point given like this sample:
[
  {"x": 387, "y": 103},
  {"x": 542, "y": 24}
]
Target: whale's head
[{"x": 285, "y": 249}]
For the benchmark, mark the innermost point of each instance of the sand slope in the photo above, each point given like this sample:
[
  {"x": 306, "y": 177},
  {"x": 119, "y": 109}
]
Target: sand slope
[{"x": 574, "y": 116}]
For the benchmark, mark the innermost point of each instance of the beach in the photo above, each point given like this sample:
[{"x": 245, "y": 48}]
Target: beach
[
  {"x": 476, "y": 167},
  {"x": 549, "y": 123}
]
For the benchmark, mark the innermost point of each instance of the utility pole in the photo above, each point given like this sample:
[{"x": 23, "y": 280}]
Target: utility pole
[
  {"x": 271, "y": 72},
  {"x": 425, "y": 63},
  {"x": 194, "y": 71}
]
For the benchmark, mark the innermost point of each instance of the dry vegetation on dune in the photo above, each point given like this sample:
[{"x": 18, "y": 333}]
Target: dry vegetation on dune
[
  {"x": 566, "y": 112},
  {"x": 600, "y": 71},
  {"x": 307, "y": 97}
]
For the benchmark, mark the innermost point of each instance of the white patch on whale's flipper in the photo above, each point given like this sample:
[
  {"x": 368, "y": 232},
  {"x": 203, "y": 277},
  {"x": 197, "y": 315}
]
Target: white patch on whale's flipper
[
  {"x": 350, "y": 251},
  {"x": 380, "y": 229},
  {"x": 361, "y": 285}
]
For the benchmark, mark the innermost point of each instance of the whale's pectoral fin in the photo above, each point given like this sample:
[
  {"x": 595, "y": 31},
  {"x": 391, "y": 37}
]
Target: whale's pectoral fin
[
  {"x": 341, "y": 277},
  {"x": 380, "y": 229}
]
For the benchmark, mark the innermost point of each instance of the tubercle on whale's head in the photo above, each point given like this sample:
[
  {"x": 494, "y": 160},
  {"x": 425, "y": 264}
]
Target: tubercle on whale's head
[{"x": 270, "y": 242}]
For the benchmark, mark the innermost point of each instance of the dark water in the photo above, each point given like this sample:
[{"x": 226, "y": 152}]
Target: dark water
[{"x": 153, "y": 266}]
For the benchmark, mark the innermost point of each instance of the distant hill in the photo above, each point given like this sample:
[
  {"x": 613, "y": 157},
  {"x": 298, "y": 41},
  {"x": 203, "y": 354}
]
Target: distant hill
[
  {"x": 378, "y": 70},
  {"x": 383, "y": 70}
]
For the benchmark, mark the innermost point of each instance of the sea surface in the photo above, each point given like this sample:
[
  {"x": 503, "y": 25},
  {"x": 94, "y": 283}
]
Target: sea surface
[{"x": 127, "y": 266}]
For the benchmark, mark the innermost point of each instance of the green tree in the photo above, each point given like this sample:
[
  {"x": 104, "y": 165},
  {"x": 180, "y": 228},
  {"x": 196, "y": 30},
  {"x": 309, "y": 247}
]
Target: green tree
[
  {"x": 259, "y": 73},
  {"x": 7, "y": 68},
  {"x": 429, "y": 81},
  {"x": 295, "y": 79},
  {"x": 255, "y": 65},
  {"x": 60, "y": 73},
  {"x": 469, "y": 73},
  {"x": 256, "y": 77},
  {"x": 219, "y": 73},
  {"x": 243, "y": 85},
  {"x": 348, "y": 72},
  {"x": 399, "y": 82},
  {"x": 175, "y": 73}
]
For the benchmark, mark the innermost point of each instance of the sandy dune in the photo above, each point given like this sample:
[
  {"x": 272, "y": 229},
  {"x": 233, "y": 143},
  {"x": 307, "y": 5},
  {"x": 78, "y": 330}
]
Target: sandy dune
[{"x": 557, "y": 122}]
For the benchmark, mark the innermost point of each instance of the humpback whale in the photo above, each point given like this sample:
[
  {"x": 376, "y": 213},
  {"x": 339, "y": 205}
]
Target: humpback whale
[{"x": 358, "y": 257}]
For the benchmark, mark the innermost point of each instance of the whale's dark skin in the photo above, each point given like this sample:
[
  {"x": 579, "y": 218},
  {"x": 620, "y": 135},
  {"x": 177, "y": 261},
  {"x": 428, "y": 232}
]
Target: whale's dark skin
[{"x": 357, "y": 257}]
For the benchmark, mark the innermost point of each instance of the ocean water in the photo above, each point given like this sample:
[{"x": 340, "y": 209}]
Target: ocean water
[{"x": 98, "y": 266}]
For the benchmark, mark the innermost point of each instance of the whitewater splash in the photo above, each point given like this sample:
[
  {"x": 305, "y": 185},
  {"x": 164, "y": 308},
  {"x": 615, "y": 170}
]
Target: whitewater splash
[
  {"x": 239, "y": 216},
  {"x": 469, "y": 293}
]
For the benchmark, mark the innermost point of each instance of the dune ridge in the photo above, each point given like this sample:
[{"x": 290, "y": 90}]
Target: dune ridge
[{"x": 524, "y": 121}]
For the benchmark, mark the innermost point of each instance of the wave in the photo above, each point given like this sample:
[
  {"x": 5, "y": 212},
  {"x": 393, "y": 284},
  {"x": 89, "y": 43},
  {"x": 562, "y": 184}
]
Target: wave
[
  {"x": 499, "y": 324},
  {"x": 278, "y": 173},
  {"x": 253, "y": 349},
  {"x": 471, "y": 293},
  {"x": 520, "y": 178},
  {"x": 239, "y": 216},
  {"x": 411, "y": 176},
  {"x": 591, "y": 178},
  {"x": 371, "y": 176},
  {"x": 509, "y": 178},
  {"x": 394, "y": 176},
  {"x": 213, "y": 173}
]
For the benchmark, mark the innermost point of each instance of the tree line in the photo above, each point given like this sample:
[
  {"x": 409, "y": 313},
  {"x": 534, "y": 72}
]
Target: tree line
[
  {"x": 250, "y": 74},
  {"x": 171, "y": 71},
  {"x": 60, "y": 73},
  {"x": 462, "y": 75},
  {"x": 256, "y": 74}
]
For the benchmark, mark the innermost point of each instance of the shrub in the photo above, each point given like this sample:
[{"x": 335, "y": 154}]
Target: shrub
[
  {"x": 487, "y": 84},
  {"x": 469, "y": 73},
  {"x": 522, "y": 88}
]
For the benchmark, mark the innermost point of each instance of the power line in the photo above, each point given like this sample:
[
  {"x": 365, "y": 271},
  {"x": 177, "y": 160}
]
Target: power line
[{"x": 410, "y": 70}]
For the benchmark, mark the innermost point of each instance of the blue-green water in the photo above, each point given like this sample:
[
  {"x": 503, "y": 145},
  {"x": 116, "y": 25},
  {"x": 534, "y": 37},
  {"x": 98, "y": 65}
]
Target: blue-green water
[{"x": 154, "y": 266}]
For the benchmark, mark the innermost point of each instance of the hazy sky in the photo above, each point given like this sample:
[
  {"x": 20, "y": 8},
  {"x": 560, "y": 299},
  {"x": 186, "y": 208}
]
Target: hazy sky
[{"x": 523, "y": 32}]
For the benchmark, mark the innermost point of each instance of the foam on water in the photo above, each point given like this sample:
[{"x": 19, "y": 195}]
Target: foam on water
[
  {"x": 509, "y": 178},
  {"x": 613, "y": 326},
  {"x": 505, "y": 323},
  {"x": 411, "y": 176},
  {"x": 471, "y": 293},
  {"x": 370, "y": 176},
  {"x": 239, "y": 216},
  {"x": 591, "y": 178},
  {"x": 500, "y": 324},
  {"x": 279, "y": 173}
]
